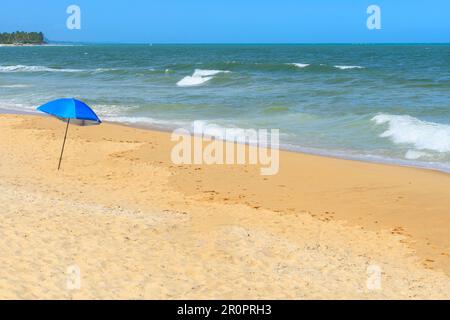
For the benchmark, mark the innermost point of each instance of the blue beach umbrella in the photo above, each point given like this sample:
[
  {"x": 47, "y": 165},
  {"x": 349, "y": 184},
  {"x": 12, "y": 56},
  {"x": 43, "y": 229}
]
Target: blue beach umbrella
[{"x": 70, "y": 111}]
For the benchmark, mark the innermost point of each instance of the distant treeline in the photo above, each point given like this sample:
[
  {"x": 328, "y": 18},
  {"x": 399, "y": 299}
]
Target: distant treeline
[{"x": 20, "y": 37}]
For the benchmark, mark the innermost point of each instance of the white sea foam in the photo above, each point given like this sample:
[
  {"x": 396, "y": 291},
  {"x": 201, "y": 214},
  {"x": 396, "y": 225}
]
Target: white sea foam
[
  {"x": 348, "y": 67},
  {"x": 423, "y": 135},
  {"x": 227, "y": 132},
  {"x": 22, "y": 68},
  {"x": 113, "y": 110},
  {"x": 199, "y": 77},
  {"x": 208, "y": 73},
  {"x": 16, "y": 106},
  {"x": 193, "y": 81},
  {"x": 105, "y": 69},
  {"x": 300, "y": 65},
  {"x": 15, "y": 86},
  {"x": 414, "y": 154},
  {"x": 146, "y": 121}
]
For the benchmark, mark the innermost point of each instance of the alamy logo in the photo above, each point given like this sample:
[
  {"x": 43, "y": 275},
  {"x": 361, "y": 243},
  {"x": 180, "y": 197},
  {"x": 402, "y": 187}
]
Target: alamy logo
[
  {"x": 374, "y": 20},
  {"x": 211, "y": 144},
  {"x": 74, "y": 20}
]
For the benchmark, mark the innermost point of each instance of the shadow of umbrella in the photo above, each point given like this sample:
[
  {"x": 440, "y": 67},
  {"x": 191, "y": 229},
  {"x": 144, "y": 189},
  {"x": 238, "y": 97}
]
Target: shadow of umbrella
[{"x": 71, "y": 111}]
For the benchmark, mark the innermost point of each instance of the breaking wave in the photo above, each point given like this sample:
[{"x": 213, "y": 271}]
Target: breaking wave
[
  {"x": 22, "y": 68},
  {"x": 199, "y": 77},
  {"x": 348, "y": 67},
  {"x": 423, "y": 135}
]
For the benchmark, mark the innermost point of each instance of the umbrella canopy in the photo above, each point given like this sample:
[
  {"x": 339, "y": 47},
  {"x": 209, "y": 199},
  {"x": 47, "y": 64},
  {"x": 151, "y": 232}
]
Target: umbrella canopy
[
  {"x": 77, "y": 111},
  {"x": 71, "y": 111}
]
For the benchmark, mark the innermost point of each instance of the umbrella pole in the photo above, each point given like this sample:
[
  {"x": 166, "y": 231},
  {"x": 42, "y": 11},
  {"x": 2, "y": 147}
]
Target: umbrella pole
[{"x": 64, "y": 143}]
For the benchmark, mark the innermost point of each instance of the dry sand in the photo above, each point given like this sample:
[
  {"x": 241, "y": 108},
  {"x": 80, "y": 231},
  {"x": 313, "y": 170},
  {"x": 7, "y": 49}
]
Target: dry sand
[{"x": 138, "y": 226}]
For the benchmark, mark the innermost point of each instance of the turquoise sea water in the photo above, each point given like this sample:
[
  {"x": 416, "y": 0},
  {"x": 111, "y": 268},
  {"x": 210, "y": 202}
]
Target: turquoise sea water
[{"x": 387, "y": 103}]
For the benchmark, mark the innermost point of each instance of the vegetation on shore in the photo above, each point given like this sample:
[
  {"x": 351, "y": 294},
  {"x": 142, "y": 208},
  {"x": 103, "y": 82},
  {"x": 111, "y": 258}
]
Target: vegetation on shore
[{"x": 20, "y": 37}]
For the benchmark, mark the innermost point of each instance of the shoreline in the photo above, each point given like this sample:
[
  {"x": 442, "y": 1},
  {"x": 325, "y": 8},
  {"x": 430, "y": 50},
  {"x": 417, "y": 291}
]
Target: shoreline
[
  {"x": 437, "y": 167},
  {"x": 120, "y": 207},
  {"x": 317, "y": 152}
]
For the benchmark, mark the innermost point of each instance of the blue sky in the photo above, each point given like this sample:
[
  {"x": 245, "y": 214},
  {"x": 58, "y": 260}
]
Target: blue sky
[{"x": 231, "y": 21}]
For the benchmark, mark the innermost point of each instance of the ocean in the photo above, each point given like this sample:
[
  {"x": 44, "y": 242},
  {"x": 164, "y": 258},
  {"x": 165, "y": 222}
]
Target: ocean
[{"x": 382, "y": 103}]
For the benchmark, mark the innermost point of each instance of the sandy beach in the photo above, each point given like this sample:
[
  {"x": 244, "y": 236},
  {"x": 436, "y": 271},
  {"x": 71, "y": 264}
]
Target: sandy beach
[{"x": 139, "y": 227}]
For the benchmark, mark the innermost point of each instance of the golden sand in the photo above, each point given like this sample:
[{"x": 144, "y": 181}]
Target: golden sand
[{"x": 139, "y": 227}]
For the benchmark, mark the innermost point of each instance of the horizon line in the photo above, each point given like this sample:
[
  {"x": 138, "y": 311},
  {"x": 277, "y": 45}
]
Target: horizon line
[{"x": 242, "y": 43}]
